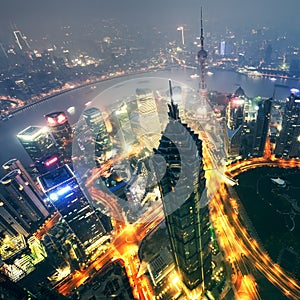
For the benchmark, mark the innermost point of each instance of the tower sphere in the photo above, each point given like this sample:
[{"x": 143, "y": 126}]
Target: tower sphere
[{"x": 202, "y": 54}]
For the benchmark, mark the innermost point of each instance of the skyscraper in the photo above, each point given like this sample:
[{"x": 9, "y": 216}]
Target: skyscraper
[
  {"x": 261, "y": 127},
  {"x": 62, "y": 132},
  {"x": 288, "y": 142},
  {"x": 235, "y": 110},
  {"x": 148, "y": 116},
  {"x": 233, "y": 127},
  {"x": 38, "y": 143},
  {"x": 23, "y": 202},
  {"x": 62, "y": 189},
  {"x": 186, "y": 218},
  {"x": 101, "y": 138},
  {"x": 15, "y": 164}
]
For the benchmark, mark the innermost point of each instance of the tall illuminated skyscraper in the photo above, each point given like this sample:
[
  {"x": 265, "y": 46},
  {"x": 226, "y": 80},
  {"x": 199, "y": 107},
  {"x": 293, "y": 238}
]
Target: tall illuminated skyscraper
[
  {"x": 38, "y": 143},
  {"x": 61, "y": 130},
  {"x": 62, "y": 189},
  {"x": 288, "y": 142},
  {"x": 186, "y": 218}
]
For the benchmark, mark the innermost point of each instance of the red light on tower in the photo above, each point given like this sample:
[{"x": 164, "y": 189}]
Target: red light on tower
[
  {"x": 55, "y": 120},
  {"x": 61, "y": 119},
  {"x": 51, "y": 121}
]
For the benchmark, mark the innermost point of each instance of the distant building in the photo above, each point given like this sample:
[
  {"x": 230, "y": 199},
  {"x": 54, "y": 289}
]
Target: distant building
[
  {"x": 288, "y": 142},
  {"x": 62, "y": 189}
]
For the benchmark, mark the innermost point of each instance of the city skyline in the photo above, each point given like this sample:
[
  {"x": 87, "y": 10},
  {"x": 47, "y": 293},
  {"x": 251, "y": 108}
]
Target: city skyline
[
  {"x": 140, "y": 165},
  {"x": 163, "y": 15}
]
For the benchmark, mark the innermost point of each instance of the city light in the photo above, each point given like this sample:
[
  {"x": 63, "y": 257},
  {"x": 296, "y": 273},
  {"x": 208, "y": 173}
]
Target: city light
[
  {"x": 86, "y": 229},
  {"x": 51, "y": 161}
]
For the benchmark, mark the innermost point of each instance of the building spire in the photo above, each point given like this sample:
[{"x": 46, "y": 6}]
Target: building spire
[{"x": 173, "y": 108}]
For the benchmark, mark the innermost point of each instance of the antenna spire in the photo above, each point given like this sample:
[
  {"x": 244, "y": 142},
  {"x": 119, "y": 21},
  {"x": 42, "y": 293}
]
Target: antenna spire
[
  {"x": 173, "y": 108},
  {"x": 202, "y": 35},
  {"x": 171, "y": 90}
]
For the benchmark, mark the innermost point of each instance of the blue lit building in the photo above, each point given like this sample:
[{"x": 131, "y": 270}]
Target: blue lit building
[{"x": 62, "y": 189}]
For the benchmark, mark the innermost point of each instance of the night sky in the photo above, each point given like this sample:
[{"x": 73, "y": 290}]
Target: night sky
[{"x": 39, "y": 17}]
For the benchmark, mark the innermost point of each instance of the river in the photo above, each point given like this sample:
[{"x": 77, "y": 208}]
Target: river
[{"x": 222, "y": 81}]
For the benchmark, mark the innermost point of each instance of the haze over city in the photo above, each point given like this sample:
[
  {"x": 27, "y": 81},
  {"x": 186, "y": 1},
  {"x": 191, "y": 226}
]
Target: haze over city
[{"x": 150, "y": 150}]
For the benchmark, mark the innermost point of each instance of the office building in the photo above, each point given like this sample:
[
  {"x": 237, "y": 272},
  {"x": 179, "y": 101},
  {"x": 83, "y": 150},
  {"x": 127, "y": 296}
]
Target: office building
[
  {"x": 38, "y": 143},
  {"x": 61, "y": 130},
  {"x": 186, "y": 218},
  {"x": 288, "y": 142},
  {"x": 62, "y": 189}
]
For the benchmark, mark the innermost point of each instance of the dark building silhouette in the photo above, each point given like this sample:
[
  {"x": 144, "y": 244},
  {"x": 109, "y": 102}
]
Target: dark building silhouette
[
  {"x": 261, "y": 127},
  {"x": 186, "y": 218}
]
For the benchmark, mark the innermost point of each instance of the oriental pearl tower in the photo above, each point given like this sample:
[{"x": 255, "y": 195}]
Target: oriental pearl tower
[{"x": 202, "y": 55}]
